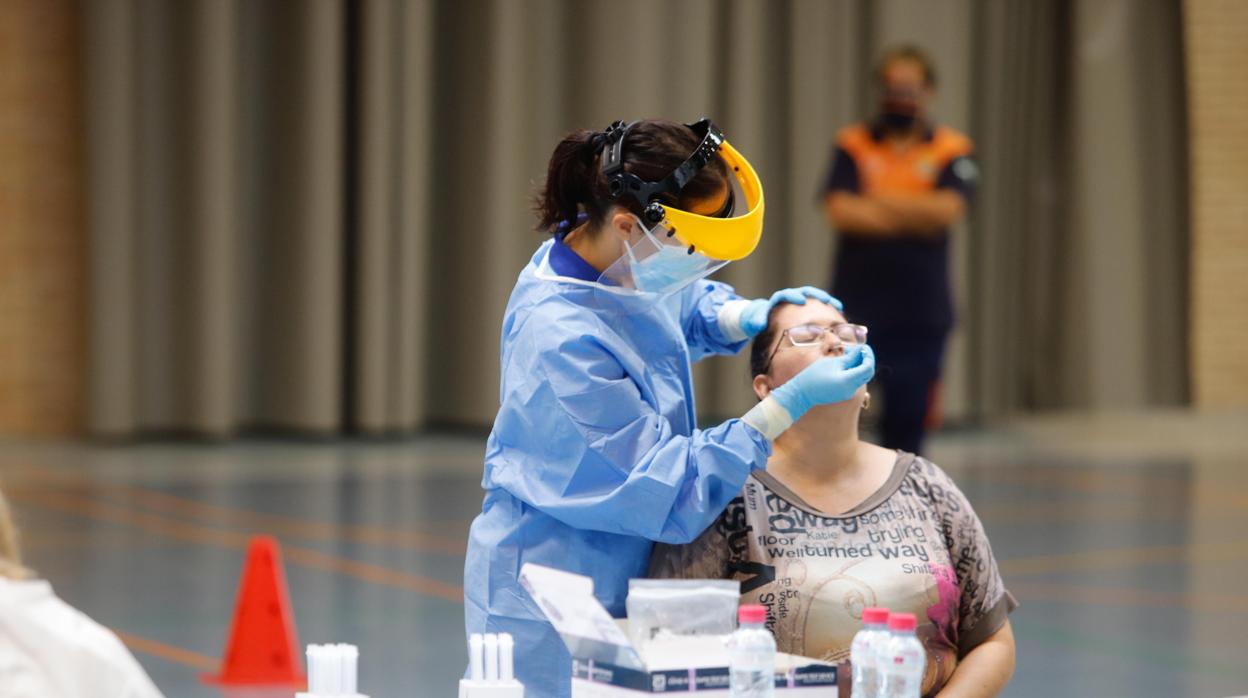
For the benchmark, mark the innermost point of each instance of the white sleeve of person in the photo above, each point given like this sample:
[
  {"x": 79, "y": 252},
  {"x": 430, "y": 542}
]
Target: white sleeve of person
[
  {"x": 769, "y": 418},
  {"x": 730, "y": 320}
]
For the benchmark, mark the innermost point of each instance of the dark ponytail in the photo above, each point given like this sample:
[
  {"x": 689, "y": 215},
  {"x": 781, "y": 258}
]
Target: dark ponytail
[
  {"x": 652, "y": 149},
  {"x": 574, "y": 183}
]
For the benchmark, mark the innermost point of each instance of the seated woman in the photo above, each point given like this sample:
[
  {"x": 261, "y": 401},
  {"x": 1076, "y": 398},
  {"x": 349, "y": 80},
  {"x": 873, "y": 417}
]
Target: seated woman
[
  {"x": 50, "y": 649},
  {"x": 835, "y": 524}
]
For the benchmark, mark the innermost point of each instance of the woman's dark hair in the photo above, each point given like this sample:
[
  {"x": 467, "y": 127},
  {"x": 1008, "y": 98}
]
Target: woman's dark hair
[
  {"x": 652, "y": 149},
  {"x": 760, "y": 347},
  {"x": 907, "y": 52}
]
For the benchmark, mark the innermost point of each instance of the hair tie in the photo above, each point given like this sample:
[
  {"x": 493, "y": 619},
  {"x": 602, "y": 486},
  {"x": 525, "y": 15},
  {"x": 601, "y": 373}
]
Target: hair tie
[
  {"x": 595, "y": 142},
  {"x": 566, "y": 225},
  {"x": 600, "y": 139}
]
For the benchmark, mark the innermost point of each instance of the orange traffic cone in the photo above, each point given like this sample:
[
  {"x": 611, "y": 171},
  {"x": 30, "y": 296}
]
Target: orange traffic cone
[{"x": 262, "y": 649}]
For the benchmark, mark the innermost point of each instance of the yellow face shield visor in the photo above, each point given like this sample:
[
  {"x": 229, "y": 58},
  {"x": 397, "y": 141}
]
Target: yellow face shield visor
[
  {"x": 729, "y": 239},
  {"x": 726, "y": 238}
]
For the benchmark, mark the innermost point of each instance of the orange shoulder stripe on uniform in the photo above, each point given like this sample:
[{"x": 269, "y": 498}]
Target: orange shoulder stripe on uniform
[
  {"x": 856, "y": 140},
  {"x": 948, "y": 143}
]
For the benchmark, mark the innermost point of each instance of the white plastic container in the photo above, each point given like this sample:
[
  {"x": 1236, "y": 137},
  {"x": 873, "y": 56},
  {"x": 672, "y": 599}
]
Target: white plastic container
[
  {"x": 752, "y": 655},
  {"x": 865, "y": 650},
  {"x": 332, "y": 672},
  {"x": 904, "y": 658},
  {"x": 491, "y": 668}
]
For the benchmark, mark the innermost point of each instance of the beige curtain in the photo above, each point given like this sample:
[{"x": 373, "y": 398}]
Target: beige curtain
[
  {"x": 308, "y": 215},
  {"x": 1077, "y": 273}
]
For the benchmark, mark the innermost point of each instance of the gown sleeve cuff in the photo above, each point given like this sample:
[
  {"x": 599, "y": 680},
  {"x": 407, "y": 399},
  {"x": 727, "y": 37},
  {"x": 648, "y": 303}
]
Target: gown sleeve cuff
[
  {"x": 768, "y": 418},
  {"x": 730, "y": 320}
]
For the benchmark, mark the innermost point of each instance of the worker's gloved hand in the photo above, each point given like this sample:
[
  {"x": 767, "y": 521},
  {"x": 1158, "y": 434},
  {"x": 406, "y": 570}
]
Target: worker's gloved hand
[
  {"x": 754, "y": 315},
  {"x": 830, "y": 379}
]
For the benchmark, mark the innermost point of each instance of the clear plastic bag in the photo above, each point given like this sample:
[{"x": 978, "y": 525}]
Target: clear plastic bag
[{"x": 681, "y": 607}]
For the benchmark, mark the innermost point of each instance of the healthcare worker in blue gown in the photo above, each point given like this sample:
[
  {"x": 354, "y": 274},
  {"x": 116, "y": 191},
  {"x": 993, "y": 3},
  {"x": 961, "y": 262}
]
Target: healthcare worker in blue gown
[{"x": 595, "y": 454}]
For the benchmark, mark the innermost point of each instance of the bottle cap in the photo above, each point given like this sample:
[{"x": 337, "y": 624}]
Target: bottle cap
[
  {"x": 875, "y": 615},
  {"x": 752, "y": 614},
  {"x": 902, "y": 621}
]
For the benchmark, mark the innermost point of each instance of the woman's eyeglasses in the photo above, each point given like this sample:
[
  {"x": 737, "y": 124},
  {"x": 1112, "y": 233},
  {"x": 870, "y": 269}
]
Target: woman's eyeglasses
[{"x": 812, "y": 335}]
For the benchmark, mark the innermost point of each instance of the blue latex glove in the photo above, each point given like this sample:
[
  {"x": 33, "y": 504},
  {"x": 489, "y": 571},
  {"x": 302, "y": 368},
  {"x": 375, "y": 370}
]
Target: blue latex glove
[
  {"x": 830, "y": 379},
  {"x": 754, "y": 316}
]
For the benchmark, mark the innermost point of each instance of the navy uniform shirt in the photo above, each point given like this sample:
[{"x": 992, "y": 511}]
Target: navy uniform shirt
[{"x": 900, "y": 282}]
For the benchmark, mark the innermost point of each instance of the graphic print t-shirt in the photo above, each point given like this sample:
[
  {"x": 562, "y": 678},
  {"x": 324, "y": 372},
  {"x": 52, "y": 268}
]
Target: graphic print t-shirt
[{"x": 913, "y": 546}]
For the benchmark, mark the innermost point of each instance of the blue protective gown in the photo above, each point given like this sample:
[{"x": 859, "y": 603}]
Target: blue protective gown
[{"x": 594, "y": 454}]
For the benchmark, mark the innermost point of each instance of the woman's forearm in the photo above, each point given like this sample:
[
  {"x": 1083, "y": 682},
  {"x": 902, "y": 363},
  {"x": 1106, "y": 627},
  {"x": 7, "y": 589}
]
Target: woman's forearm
[
  {"x": 860, "y": 215},
  {"x": 925, "y": 213},
  {"x": 985, "y": 671}
]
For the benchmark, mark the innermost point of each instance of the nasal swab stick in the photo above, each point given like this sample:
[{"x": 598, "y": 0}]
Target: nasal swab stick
[
  {"x": 476, "y": 649},
  {"x": 491, "y": 657},
  {"x": 506, "y": 652}
]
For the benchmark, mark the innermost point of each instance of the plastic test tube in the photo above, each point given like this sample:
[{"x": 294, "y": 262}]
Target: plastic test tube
[
  {"x": 334, "y": 665},
  {"x": 327, "y": 672},
  {"x": 340, "y": 666},
  {"x": 491, "y": 657},
  {"x": 314, "y": 679},
  {"x": 350, "y": 664},
  {"x": 506, "y": 653},
  {"x": 329, "y": 667},
  {"x": 476, "y": 646}
]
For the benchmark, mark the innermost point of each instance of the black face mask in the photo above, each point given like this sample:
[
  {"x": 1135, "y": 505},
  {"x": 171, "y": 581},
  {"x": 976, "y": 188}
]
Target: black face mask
[
  {"x": 897, "y": 121},
  {"x": 899, "y": 111}
]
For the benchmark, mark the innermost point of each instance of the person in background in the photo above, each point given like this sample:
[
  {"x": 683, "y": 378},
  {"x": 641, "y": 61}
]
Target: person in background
[
  {"x": 895, "y": 187},
  {"x": 48, "y": 649}
]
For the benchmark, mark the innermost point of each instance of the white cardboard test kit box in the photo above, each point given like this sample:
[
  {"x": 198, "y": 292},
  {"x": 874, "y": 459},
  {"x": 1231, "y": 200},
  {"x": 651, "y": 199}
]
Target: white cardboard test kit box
[{"x": 605, "y": 664}]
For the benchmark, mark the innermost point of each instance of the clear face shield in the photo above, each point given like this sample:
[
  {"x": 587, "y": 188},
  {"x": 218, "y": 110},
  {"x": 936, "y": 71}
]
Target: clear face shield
[
  {"x": 655, "y": 263},
  {"x": 668, "y": 248}
]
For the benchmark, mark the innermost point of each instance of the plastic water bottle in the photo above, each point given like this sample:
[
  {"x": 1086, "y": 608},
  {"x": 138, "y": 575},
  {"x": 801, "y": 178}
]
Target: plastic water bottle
[
  {"x": 752, "y": 655},
  {"x": 866, "y": 647},
  {"x": 901, "y": 664}
]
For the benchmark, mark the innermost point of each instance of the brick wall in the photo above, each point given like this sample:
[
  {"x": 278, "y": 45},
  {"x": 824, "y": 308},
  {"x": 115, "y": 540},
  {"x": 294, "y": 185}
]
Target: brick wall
[
  {"x": 1216, "y": 35},
  {"x": 42, "y": 244}
]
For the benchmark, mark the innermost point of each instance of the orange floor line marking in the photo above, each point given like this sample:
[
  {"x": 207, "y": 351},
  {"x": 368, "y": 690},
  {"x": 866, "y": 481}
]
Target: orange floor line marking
[
  {"x": 374, "y": 573},
  {"x": 315, "y": 530},
  {"x": 1076, "y": 511},
  {"x": 1143, "y": 485},
  {"x": 377, "y": 574},
  {"x": 1122, "y": 557},
  {"x": 178, "y": 655},
  {"x": 1069, "y": 593}
]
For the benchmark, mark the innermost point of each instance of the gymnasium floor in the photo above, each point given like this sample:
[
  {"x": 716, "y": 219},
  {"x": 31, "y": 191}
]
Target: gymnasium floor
[{"x": 1124, "y": 537}]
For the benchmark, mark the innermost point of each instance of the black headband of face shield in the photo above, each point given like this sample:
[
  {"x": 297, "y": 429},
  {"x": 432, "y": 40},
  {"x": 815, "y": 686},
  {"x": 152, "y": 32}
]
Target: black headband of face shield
[{"x": 621, "y": 184}]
